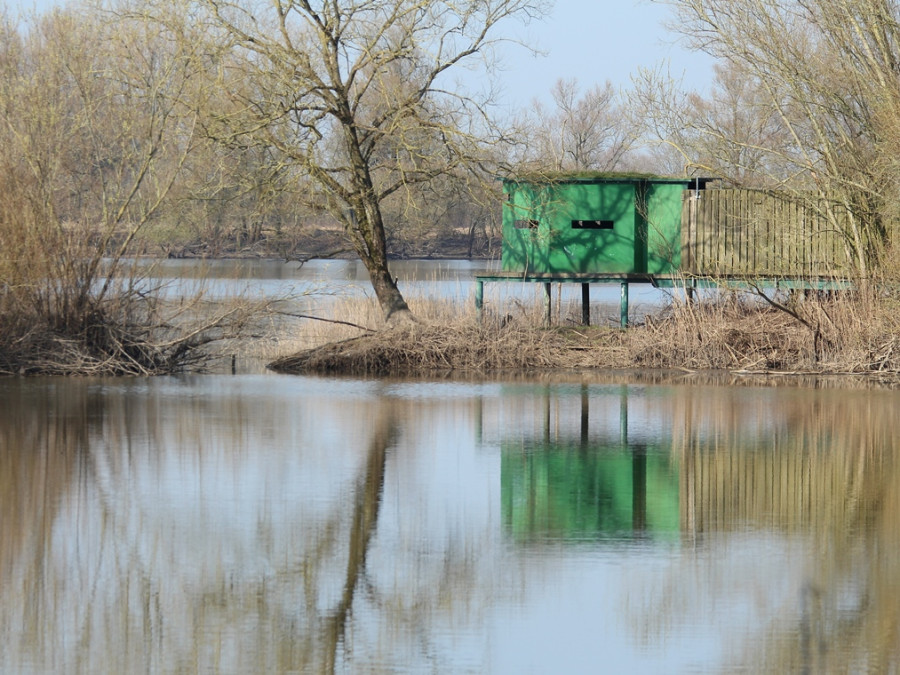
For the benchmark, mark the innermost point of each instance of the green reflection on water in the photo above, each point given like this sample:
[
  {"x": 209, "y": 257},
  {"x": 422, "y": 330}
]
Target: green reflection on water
[
  {"x": 565, "y": 492},
  {"x": 294, "y": 525}
]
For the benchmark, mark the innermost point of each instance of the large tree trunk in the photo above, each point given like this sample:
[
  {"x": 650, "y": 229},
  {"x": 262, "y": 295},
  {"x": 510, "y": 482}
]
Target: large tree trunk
[
  {"x": 372, "y": 249},
  {"x": 367, "y": 232},
  {"x": 389, "y": 297}
]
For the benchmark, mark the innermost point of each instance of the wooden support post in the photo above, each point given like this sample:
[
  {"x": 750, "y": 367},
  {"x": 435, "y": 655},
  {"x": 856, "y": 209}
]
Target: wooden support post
[
  {"x": 479, "y": 299},
  {"x": 547, "y": 305},
  {"x": 585, "y": 422},
  {"x": 547, "y": 425},
  {"x": 586, "y": 304},
  {"x": 623, "y": 306},
  {"x": 639, "y": 488}
]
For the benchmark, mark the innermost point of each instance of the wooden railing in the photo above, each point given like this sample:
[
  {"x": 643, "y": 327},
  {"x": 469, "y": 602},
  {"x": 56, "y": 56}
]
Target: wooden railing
[{"x": 755, "y": 232}]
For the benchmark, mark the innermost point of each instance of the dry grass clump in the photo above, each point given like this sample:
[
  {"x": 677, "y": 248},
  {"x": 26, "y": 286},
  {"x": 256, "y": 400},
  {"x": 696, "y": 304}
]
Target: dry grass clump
[
  {"x": 864, "y": 335},
  {"x": 734, "y": 334},
  {"x": 846, "y": 332},
  {"x": 746, "y": 333},
  {"x": 72, "y": 303},
  {"x": 462, "y": 346},
  {"x": 344, "y": 317},
  {"x": 447, "y": 338}
]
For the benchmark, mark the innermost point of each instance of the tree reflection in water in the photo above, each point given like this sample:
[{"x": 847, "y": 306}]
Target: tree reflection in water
[
  {"x": 365, "y": 518},
  {"x": 170, "y": 528},
  {"x": 814, "y": 478},
  {"x": 287, "y": 525}
]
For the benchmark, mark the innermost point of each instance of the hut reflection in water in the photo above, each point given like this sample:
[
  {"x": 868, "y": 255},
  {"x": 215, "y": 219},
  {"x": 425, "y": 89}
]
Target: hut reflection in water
[
  {"x": 808, "y": 474},
  {"x": 292, "y": 525}
]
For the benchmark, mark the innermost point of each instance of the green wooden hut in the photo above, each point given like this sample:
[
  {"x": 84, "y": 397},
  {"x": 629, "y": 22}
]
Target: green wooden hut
[
  {"x": 601, "y": 228},
  {"x": 593, "y": 224}
]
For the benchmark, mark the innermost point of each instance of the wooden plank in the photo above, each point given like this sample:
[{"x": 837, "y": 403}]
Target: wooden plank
[
  {"x": 745, "y": 224},
  {"x": 722, "y": 239},
  {"x": 750, "y": 231}
]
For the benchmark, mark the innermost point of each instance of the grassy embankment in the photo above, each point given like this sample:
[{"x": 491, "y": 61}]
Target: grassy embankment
[{"x": 847, "y": 332}]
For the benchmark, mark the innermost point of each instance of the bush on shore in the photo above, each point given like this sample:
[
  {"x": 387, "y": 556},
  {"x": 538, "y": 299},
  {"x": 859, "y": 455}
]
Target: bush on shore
[
  {"x": 71, "y": 303},
  {"x": 46, "y": 329}
]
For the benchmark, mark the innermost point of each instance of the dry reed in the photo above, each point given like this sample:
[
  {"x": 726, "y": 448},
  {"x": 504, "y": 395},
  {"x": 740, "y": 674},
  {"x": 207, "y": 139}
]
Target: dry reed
[
  {"x": 848, "y": 333},
  {"x": 71, "y": 303}
]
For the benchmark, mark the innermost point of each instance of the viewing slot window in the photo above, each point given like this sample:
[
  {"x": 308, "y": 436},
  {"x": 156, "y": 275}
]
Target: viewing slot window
[
  {"x": 593, "y": 224},
  {"x": 526, "y": 224}
]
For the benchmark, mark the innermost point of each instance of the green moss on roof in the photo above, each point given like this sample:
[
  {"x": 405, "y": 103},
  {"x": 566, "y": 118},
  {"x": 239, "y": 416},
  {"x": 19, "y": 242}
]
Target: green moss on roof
[{"x": 593, "y": 177}]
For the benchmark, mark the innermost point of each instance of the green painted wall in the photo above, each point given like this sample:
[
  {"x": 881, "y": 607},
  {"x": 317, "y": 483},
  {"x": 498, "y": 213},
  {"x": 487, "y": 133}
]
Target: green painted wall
[
  {"x": 663, "y": 251},
  {"x": 592, "y": 226}
]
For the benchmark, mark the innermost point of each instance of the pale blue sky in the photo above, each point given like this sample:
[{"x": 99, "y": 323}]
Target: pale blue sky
[
  {"x": 598, "y": 40},
  {"x": 589, "y": 40}
]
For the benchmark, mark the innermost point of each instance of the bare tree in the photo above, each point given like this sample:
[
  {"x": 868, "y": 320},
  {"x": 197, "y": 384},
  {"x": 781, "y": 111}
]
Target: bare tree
[
  {"x": 829, "y": 71},
  {"x": 95, "y": 136},
  {"x": 356, "y": 95},
  {"x": 579, "y": 132},
  {"x": 733, "y": 132}
]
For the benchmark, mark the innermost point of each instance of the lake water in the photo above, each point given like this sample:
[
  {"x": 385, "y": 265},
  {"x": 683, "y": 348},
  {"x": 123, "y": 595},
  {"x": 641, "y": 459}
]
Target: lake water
[
  {"x": 316, "y": 283},
  {"x": 264, "y": 523}
]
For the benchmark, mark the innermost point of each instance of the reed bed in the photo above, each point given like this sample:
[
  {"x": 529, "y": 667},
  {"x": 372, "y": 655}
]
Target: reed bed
[
  {"x": 74, "y": 299},
  {"x": 847, "y": 332},
  {"x": 739, "y": 332}
]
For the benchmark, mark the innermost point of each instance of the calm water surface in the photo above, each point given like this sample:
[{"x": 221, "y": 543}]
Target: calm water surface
[
  {"x": 273, "y": 524},
  {"x": 318, "y": 282}
]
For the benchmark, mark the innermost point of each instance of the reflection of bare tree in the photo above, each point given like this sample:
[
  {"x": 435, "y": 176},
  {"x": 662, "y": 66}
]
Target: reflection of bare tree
[
  {"x": 365, "y": 519},
  {"x": 42, "y": 441},
  {"x": 815, "y": 474},
  {"x": 184, "y": 531}
]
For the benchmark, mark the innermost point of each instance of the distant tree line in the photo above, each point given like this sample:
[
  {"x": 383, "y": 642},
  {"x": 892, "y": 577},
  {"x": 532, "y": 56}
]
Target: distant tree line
[{"x": 298, "y": 128}]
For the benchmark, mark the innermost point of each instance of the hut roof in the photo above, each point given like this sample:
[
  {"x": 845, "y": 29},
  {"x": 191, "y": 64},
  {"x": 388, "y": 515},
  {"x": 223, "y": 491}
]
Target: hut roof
[{"x": 566, "y": 177}]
